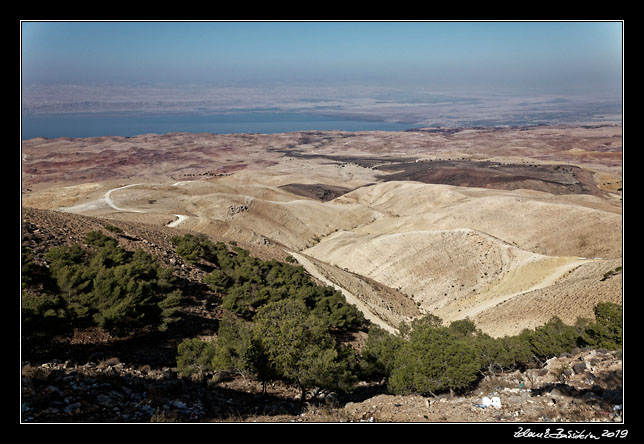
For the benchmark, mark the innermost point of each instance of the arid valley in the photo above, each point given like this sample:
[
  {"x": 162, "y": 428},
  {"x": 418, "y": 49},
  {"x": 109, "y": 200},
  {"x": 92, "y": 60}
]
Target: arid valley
[{"x": 505, "y": 226}]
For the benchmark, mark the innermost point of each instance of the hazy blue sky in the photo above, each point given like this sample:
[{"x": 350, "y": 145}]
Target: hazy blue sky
[{"x": 541, "y": 56}]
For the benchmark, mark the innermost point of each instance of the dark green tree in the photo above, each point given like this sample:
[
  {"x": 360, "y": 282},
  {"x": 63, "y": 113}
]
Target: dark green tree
[
  {"x": 236, "y": 350},
  {"x": 434, "y": 359},
  {"x": 194, "y": 357},
  {"x": 194, "y": 248},
  {"x": 300, "y": 348},
  {"x": 379, "y": 352},
  {"x": 606, "y": 331},
  {"x": 551, "y": 339}
]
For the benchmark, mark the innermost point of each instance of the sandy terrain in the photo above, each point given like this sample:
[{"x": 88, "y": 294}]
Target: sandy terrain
[{"x": 506, "y": 226}]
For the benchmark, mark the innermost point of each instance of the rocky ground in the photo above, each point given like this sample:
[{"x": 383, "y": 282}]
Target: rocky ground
[{"x": 582, "y": 387}]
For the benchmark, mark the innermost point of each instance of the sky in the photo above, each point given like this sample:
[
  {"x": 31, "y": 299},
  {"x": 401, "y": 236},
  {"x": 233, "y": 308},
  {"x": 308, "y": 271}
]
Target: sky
[{"x": 544, "y": 57}]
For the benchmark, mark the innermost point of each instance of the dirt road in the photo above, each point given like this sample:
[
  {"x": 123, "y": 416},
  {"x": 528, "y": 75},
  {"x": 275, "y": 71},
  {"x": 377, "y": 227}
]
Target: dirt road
[
  {"x": 553, "y": 275},
  {"x": 111, "y": 203}
]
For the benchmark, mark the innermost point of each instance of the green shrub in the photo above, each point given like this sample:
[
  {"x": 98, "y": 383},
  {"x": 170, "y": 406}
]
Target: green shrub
[
  {"x": 378, "y": 353},
  {"x": 236, "y": 350},
  {"x": 113, "y": 229},
  {"x": 513, "y": 352},
  {"x": 606, "y": 331},
  {"x": 194, "y": 248},
  {"x": 285, "y": 341},
  {"x": 100, "y": 240},
  {"x": 248, "y": 283},
  {"x": 109, "y": 287},
  {"x": 434, "y": 359},
  {"x": 194, "y": 356},
  {"x": 551, "y": 339},
  {"x": 43, "y": 316},
  {"x": 300, "y": 349},
  {"x": 170, "y": 309}
]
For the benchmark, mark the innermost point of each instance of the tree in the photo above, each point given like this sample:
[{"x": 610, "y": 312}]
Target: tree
[
  {"x": 218, "y": 280},
  {"x": 129, "y": 295},
  {"x": 300, "y": 348},
  {"x": 249, "y": 283},
  {"x": 434, "y": 359},
  {"x": 194, "y": 356},
  {"x": 606, "y": 331},
  {"x": 513, "y": 352},
  {"x": 379, "y": 352},
  {"x": 193, "y": 248},
  {"x": 43, "y": 316},
  {"x": 112, "y": 288},
  {"x": 551, "y": 339},
  {"x": 235, "y": 349}
]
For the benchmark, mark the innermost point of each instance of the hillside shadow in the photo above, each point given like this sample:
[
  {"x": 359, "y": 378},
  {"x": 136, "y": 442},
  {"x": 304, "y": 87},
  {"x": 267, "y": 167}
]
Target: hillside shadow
[
  {"x": 151, "y": 347},
  {"x": 110, "y": 395},
  {"x": 606, "y": 390}
]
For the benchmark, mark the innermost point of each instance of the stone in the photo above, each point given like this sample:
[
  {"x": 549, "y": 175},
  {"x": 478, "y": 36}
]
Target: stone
[
  {"x": 72, "y": 407},
  {"x": 579, "y": 368}
]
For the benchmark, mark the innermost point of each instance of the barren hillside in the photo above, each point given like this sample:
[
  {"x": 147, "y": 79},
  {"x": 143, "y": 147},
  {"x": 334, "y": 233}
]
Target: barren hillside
[{"x": 494, "y": 224}]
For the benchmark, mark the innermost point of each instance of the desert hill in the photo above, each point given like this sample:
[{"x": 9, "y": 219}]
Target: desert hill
[
  {"x": 494, "y": 224},
  {"x": 505, "y": 226}
]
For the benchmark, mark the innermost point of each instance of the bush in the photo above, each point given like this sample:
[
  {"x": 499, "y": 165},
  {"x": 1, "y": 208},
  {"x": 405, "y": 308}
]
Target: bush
[
  {"x": 113, "y": 229},
  {"x": 513, "y": 352},
  {"x": 551, "y": 339},
  {"x": 194, "y": 248},
  {"x": 43, "y": 316},
  {"x": 233, "y": 347},
  {"x": 285, "y": 341},
  {"x": 249, "y": 283},
  {"x": 100, "y": 240}
]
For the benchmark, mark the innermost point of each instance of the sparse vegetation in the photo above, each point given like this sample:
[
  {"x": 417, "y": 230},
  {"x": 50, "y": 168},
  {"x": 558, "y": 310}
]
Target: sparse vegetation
[
  {"x": 285, "y": 341},
  {"x": 278, "y": 325},
  {"x": 611, "y": 273},
  {"x": 248, "y": 283},
  {"x": 113, "y": 229},
  {"x": 253, "y": 323},
  {"x": 96, "y": 284},
  {"x": 428, "y": 358}
]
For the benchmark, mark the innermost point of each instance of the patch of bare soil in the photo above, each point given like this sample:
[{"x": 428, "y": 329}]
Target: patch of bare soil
[
  {"x": 316, "y": 191},
  {"x": 554, "y": 179}
]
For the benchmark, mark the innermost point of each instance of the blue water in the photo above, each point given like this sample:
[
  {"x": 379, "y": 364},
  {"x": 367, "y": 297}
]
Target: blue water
[{"x": 129, "y": 125}]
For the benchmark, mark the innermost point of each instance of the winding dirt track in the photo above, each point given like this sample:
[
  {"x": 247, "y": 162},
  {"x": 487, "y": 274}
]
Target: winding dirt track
[
  {"x": 550, "y": 279},
  {"x": 107, "y": 196},
  {"x": 111, "y": 203}
]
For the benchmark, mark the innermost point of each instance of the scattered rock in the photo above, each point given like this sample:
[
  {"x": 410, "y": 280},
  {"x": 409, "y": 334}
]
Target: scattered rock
[
  {"x": 579, "y": 368},
  {"x": 232, "y": 210}
]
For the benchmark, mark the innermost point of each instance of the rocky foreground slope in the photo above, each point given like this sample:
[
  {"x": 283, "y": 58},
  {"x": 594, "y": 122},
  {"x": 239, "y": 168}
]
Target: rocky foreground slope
[
  {"x": 94, "y": 377},
  {"x": 583, "y": 387}
]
